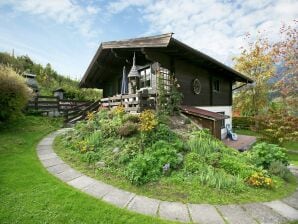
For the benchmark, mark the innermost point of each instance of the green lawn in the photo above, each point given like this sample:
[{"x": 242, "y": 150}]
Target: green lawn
[{"x": 29, "y": 194}]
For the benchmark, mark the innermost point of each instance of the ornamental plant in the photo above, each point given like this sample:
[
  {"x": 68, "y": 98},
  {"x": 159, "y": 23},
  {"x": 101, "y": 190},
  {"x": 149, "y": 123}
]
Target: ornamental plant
[
  {"x": 119, "y": 110},
  {"x": 259, "y": 179},
  {"x": 263, "y": 154},
  {"x": 148, "y": 121}
]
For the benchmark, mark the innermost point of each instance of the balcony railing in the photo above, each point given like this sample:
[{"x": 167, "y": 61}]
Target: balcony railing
[{"x": 131, "y": 102}]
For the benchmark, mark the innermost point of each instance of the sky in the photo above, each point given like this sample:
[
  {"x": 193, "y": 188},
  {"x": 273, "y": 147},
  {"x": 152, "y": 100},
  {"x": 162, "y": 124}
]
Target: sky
[{"x": 67, "y": 33}]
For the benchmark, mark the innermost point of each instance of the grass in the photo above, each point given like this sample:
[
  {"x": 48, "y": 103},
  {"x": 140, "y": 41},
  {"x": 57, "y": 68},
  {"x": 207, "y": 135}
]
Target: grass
[
  {"x": 29, "y": 194},
  {"x": 176, "y": 188},
  {"x": 291, "y": 146}
]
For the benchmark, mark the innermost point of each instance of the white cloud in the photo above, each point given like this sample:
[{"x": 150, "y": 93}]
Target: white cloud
[
  {"x": 67, "y": 12},
  {"x": 214, "y": 27}
]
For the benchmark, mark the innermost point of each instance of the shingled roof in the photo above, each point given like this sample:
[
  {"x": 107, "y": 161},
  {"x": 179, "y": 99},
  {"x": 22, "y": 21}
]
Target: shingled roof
[{"x": 112, "y": 53}]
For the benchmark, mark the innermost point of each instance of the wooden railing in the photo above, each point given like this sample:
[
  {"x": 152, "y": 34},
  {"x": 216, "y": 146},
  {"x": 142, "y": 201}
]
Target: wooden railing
[
  {"x": 131, "y": 102},
  {"x": 52, "y": 103},
  {"x": 80, "y": 112}
]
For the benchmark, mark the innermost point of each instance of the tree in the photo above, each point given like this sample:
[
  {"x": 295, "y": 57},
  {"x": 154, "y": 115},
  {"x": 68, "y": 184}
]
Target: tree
[
  {"x": 285, "y": 53},
  {"x": 256, "y": 62}
]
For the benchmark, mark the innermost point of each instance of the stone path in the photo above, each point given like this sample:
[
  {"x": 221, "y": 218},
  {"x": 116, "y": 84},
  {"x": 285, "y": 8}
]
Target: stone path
[{"x": 279, "y": 211}]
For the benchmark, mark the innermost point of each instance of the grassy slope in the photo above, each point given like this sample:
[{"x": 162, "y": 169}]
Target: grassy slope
[
  {"x": 29, "y": 194},
  {"x": 178, "y": 190}
]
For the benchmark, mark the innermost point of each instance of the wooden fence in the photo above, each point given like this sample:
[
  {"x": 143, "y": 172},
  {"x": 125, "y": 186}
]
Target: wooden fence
[{"x": 52, "y": 103}]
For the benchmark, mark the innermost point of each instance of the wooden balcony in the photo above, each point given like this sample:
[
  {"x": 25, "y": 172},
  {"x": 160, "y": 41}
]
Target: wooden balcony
[{"x": 131, "y": 102}]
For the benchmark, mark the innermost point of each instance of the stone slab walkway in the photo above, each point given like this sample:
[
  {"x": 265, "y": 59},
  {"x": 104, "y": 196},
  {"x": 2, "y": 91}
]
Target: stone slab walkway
[{"x": 279, "y": 211}]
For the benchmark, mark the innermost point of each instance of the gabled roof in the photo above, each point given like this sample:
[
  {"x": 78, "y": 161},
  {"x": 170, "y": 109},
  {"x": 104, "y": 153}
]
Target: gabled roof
[{"x": 164, "y": 43}]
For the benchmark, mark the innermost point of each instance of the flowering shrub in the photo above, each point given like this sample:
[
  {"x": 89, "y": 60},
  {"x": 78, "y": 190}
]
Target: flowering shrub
[
  {"x": 119, "y": 110},
  {"x": 148, "y": 121},
  {"x": 82, "y": 146},
  {"x": 90, "y": 116},
  {"x": 258, "y": 179}
]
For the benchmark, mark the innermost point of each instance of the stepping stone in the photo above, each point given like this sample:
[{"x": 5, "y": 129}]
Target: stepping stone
[
  {"x": 51, "y": 162},
  {"x": 58, "y": 168},
  {"x": 234, "y": 214},
  {"x": 283, "y": 209},
  {"x": 263, "y": 214},
  {"x": 68, "y": 175},
  {"x": 174, "y": 211},
  {"x": 205, "y": 214},
  {"x": 46, "y": 141},
  {"x": 81, "y": 182},
  {"x": 292, "y": 200},
  {"x": 144, "y": 205},
  {"x": 118, "y": 197},
  {"x": 48, "y": 156},
  {"x": 44, "y": 151},
  {"x": 98, "y": 189},
  {"x": 43, "y": 147}
]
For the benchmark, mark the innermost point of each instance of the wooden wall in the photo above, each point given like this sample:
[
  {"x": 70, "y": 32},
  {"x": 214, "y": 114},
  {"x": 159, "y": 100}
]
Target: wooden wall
[{"x": 186, "y": 73}]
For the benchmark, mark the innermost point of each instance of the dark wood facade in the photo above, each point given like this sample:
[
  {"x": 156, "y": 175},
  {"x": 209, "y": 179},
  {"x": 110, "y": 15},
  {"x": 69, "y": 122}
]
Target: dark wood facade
[{"x": 184, "y": 62}]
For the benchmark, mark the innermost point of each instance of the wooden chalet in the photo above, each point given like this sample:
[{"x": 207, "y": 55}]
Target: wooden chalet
[{"x": 130, "y": 72}]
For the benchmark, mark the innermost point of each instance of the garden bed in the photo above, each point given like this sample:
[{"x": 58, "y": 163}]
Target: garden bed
[{"x": 145, "y": 156}]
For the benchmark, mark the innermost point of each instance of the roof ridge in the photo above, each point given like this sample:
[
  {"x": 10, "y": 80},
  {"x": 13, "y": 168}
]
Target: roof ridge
[{"x": 140, "y": 38}]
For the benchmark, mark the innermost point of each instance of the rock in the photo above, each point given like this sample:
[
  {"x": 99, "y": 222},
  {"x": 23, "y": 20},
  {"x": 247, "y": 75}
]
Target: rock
[
  {"x": 116, "y": 150},
  {"x": 180, "y": 157},
  {"x": 100, "y": 164}
]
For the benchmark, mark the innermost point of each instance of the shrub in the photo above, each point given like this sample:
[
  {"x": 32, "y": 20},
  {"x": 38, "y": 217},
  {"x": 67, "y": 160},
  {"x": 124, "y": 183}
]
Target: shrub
[
  {"x": 110, "y": 127},
  {"x": 193, "y": 163},
  {"x": 148, "y": 121},
  {"x": 259, "y": 179},
  {"x": 279, "y": 169},
  {"x": 164, "y": 153},
  {"x": 127, "y": 129},
  {"x": 263, "y": 154},
  {"x": 14, "y": 93},
  {"x": 162, "y": 132},
  {"x": 243, "y": 122},
  {"x": 118, "y": 111},
  {"x": 142, "y": 169},
  {"x": 278, "y": 126},
  {"x": 149, "y": 166},
  {"x": 130, "y": 117},
  {"x": 236, "y": 167}
]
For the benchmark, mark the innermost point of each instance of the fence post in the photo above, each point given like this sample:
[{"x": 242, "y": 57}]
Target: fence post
[{"x": 36, "y": 103}]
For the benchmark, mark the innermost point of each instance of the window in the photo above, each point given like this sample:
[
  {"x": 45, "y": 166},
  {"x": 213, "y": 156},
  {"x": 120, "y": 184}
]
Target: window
[
  {"x": 165, "y": 78},
  {"x": 145, "y": 80},
  {"x": 223, "y": 123},
  {"x": 216, "y": 86}
]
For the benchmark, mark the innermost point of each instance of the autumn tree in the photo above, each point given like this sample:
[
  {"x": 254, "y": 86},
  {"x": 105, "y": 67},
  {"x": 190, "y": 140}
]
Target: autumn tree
[
  {"x": 285, "y": 53},
  {"x": 256, "y": 62}
]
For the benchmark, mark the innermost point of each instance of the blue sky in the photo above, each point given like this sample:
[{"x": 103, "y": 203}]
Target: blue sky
[{"x": 67, "y": 33}]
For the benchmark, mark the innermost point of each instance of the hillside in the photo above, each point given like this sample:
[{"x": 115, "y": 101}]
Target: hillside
[{"x": 48, "y": 79}]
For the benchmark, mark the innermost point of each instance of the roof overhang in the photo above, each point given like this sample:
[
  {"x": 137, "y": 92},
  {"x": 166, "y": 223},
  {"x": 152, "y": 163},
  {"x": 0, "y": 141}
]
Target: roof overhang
[
  {"x": 198, "y": 112},
  {"x": 111, "y": 56}
]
